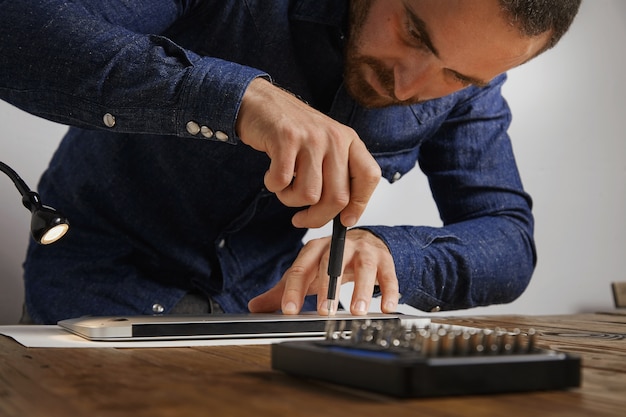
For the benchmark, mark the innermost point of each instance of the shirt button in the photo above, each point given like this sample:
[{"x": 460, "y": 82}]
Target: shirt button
[
  {"x": 396, "y": 177},
  {"x": 157, "y": 308},
  {"x": 109, "y": 120},
  {"x": 435, "y": 309},
  {"x": 221, "y": 136},
  {"x": 206, "y": 132},
  {"x": 221, "y": 244},
  {"x": 193, "y": 128}
]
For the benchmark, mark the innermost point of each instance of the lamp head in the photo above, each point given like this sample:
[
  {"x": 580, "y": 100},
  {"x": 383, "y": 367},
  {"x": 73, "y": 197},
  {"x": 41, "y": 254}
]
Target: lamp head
[{"x": 47, "y": 225}]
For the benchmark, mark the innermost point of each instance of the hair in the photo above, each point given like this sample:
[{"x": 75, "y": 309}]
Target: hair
[{"x": 534, "y": 17}]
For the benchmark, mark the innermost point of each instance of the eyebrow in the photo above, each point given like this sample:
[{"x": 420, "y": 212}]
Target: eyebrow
[{"x": 420, "y": 27}]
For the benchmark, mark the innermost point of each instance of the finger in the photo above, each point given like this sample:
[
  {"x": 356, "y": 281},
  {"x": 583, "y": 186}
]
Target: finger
[
  {"x": 299, "y": 278},
  {"x": 365, "y": 175},
  {"x": 335, "y": 194},
  {"x": 343, "y": 191},
  {"x": 365, "y": 273},
  {"x": 281, "y": 171},
  {"x": 269, "y": 301},
  {"x": 389, "y": 289},
  {"x": 306, "y": 185}
]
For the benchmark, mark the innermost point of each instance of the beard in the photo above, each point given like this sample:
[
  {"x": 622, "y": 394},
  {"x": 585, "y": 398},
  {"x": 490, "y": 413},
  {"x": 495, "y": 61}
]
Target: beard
[
  {"x": 362, "y": 92},
  {"x": 358, "y": 65}
]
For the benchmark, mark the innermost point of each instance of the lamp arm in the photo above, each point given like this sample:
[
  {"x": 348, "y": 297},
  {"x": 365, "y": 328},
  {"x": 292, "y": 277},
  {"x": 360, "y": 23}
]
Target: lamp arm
[{"x": 17, "y": 180}]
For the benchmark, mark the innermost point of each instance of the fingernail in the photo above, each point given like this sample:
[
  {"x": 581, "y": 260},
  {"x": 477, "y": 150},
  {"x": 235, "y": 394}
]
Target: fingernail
[
  {"x": 359, "y": 307},
  {"x": 390, "y": 307},
  {"x": 349, "y": 221},
  {"x": 290, "y": 308}
]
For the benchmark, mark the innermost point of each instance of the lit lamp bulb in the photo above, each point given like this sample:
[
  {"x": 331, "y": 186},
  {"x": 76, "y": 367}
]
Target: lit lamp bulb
[
  {"x": 47, "y": 225},
  {"x": 54, "y": 234}
]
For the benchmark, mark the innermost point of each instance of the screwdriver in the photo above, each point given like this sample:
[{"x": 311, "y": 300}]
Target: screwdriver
[{"x": 337, "y": 243}]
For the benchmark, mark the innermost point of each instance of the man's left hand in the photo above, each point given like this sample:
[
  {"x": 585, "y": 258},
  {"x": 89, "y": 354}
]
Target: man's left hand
[{"x": 367, "y": 261}]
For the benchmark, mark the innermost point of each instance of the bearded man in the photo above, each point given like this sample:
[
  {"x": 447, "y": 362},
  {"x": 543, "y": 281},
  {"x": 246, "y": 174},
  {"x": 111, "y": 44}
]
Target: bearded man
[{"x": 206, "y": 137}]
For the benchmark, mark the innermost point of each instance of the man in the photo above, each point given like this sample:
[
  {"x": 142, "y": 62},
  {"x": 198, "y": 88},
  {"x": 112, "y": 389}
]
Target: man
[{"x": 207, "y": 136}]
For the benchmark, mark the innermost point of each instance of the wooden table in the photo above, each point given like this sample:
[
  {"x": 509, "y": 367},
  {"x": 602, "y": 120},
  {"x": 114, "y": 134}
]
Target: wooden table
[{"x": 239, "y": 381}]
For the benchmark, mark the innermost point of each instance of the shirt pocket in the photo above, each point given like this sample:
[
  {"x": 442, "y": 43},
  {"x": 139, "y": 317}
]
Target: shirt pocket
[{"x": 394, "y": 135}]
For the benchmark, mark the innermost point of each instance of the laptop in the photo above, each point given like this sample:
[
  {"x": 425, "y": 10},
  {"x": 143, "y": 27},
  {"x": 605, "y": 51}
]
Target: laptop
[{"x": 218, "y": 326}]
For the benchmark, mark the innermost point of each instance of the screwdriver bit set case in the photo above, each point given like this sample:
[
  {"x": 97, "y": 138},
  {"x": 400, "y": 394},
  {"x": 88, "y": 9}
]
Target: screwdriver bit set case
[{"x": 436, "y": 360}]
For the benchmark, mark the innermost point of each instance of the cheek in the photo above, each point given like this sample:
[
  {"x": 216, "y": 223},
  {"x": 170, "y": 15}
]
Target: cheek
[
  {"x": 377, "y": 45},
  {"x": 378, "y": 35}
]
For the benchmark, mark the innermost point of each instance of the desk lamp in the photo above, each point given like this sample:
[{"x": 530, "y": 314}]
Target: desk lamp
[{"x": 47, "y": 225}]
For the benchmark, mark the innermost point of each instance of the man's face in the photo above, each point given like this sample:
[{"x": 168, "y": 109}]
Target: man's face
[{"x": 409, "y": 51}]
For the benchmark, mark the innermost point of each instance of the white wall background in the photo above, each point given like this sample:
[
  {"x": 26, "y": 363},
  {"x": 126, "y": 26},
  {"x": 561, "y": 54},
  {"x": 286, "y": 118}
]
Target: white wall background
[{"x": 568, "y": 134}]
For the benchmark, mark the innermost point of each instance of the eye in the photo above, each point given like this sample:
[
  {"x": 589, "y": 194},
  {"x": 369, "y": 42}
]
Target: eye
[
  {"x": 461, "y": 80},
  {"x": 414, "y": 35}
]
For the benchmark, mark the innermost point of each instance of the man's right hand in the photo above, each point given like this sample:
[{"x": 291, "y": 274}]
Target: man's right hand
[{"x": 315, "y": 160}]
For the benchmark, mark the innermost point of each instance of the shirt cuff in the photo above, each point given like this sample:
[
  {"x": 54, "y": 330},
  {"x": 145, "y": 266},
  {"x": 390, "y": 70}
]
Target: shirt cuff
[
  {"x": 409, "y": 247},
  {"x": 212, "y": 98}
]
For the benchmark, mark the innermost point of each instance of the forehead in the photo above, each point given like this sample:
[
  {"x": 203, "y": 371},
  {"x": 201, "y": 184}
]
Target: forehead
[{"x": 474, "y": 35}]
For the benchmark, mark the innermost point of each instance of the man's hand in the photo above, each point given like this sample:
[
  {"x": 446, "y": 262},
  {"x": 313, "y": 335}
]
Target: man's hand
[
  {"x": 315, "y": 160},
  {"x": 367, "y": 262}
]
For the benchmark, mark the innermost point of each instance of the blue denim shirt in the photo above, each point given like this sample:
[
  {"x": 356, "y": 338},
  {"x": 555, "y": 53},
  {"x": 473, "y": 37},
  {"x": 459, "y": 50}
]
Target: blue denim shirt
[{"x": 164, "y": 198}]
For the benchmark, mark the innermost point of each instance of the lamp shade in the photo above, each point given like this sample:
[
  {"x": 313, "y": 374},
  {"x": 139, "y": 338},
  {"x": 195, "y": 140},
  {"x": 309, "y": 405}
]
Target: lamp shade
[{"x": 47, "y": 225}]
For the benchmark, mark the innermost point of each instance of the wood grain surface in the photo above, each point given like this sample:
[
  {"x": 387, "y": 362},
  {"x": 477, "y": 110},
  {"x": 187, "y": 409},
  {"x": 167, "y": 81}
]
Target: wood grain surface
[{"x": 238, "y": 380}]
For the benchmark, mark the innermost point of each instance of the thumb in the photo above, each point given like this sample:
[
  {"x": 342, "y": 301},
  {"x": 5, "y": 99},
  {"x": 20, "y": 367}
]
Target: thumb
[{"x": 268, "y": 302}]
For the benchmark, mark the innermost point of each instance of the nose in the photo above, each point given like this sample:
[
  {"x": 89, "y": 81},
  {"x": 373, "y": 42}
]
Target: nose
[
  {"x": 420, "y": 79},
  {"x": 411, "y": 80}
]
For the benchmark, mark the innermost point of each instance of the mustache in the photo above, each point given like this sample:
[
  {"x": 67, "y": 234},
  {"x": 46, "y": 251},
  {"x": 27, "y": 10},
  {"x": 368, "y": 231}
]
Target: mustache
[
  {"x": 385, "y": 75},
  {"x": 364, "y": 92}
]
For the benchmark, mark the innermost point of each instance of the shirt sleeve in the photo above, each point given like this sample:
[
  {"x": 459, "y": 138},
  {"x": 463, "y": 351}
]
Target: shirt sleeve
[
  {"x": 484, "y": 253},
  {"x": 103, "y": 65}
]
